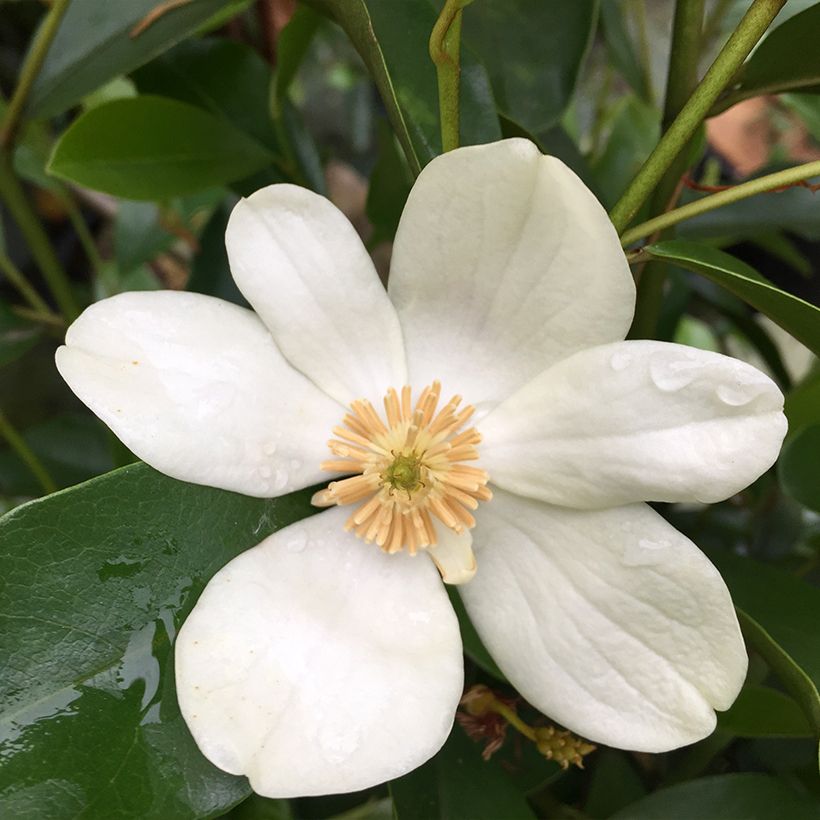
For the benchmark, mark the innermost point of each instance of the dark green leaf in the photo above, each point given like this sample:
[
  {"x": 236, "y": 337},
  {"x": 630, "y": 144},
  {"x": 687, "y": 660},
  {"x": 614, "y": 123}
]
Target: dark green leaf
[
  {"x": 138, "y": 235},
  {"x": 803, "y": 404},
  {"x": 473, "y": 647},
  {"x": 799, "y": 467},
  {"x": 291, "y": 48},
  {"x": 458, "y": 785},
  {"x": 390, "y": 184},
  {"x": 615, "y": 783},
  {"x": 731, "y": 796},
  {"x": 96, "y": 580},
  {"x": 392, "y": 37},
  {"x": 229, "y": 80},
  {"x": 154, "y": 148},
  {"x": 794, "y": 315},
  {"x": 779, "y": 615},
  {"x": 97, "y": 41},
  {"x": 763, "y": 712},
  {"x": 533, "y": 52},
  {"x": 785, "y": 61},
  {"x": 621, "y": 50}
]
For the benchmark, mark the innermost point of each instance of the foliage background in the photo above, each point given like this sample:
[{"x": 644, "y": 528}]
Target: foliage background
[{"x": 144, "y": 125}]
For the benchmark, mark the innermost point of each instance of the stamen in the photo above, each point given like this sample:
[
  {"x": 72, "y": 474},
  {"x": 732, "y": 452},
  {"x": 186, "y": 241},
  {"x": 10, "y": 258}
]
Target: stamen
[{"x": 407, "y": 468}]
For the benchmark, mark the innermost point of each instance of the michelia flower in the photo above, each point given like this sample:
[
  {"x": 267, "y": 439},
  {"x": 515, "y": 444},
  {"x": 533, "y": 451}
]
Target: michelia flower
[{"x": 327, "y": 658}]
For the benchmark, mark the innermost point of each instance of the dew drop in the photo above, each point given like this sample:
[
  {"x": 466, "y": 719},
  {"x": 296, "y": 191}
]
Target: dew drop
[
  {"x": 620, "y": 361},
  {"x": 295, "y": 464},
  {"x": 670, "y": 376},
  {"x": 645, "y": 553},
  {"x": 269, "y": 448},
  {"x": 265, "y": 471},
  {"x": 338, "y": 743},
  {"x": 738, "y": 394},
  {"x": 280, "y": 480}
]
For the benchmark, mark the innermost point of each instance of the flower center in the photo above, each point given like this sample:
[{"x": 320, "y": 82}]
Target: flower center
[{"x": 408, "y": 468}]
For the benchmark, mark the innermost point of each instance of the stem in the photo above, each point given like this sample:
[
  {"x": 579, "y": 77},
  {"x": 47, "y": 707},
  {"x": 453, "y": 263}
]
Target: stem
[
  {"x": 770, "y": 182},
  {"x": 731, "y": 57},
  {"x": 18, "y": 280},
  {"x": 445, "y": 52},
  {"x": 682, "y": 79},
  {"x": 512, "y": 718},
  {"x": 26, "y": 454},
  {"x": 51, "y": 319},
  {"x": 28, "y": 74},
  {"x": 11, "y": 192}
]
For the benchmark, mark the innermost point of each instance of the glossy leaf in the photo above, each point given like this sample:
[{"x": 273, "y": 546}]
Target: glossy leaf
[
  {"x": 799, "y": 467},
  {"x": 154, "y": 148},
  {"x": 392, "y": 37},
  {"x": 473, "y": 647},
  {"x": 798, "y": 317},
  {"x": 803, "y": 404},
  {"x": 760, "y": 711},
  {"x": 458, "y": 785},
  {"x": 390, "y": 184},
  {"x": 533, "y": 52},
  {"x": 779, "y": 615},
  {"x": 291, "y": 48},
  {"x": 96, "y": 581},
  {"x": 614, "y": 783},
  {"x": 98, "y": 41},
  {"x": 621, "y": 50},
  {"x": 747, "y": 796},
  {"x": 785, "y": 61},
  {"x": 229, "y": 80},
  {"x": 138, "y": 234}
]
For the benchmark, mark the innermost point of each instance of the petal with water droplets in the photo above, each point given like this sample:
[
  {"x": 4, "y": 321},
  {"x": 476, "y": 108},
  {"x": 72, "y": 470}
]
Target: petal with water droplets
[
  {"x": 636, "y": 421},
  {"x": 314, "y": 663}
]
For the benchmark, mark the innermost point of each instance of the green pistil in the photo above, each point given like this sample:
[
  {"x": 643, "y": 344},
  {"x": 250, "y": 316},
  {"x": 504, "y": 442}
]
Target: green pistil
[{"x": 404, "y": 473}]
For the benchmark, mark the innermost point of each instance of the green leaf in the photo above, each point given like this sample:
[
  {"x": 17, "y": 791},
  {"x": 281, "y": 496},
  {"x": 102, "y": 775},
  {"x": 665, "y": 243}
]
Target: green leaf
[
  {"x": 746, "y": 796},
  {"x": 621, "y": 50},
  {"x": 292, "y": 47},
  {"x": 803, "y": 404},
  {"x": 154, "y": 148},
  {"x": 229, "y": 80},
  {"x": 615, "y": 783},
  {"x": 473, "y": 647},
  {"x": 511, "y": 40},
  {"x": 97, "y": 41},
  {"x": 96, "y": 581},
  {"x": 798, "y": 317},
  {"x": 392, "y": 38},
  {"x": 799, "y": 467},
  {"x": 138, "y": 234},
  {"x": 390, "y": 184},
  {"x": 785, "y": 61},
  {"x": 779, "y": 615},
  {"x": 458, "y": 785},
  {"x": 761, "y": 711}
]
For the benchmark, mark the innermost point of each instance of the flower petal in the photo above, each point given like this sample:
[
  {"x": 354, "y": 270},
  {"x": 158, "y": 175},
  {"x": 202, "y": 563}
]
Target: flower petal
[
  {"x": 635, "y": 421},
  {"x": 302, "y": 266},
  {"x": 196, "y": 387},
  {"x": 609, "y": 621},
  {"x": 453, "y": 554},
  {"x": 504, "y": 263},
  {"x": 314, "y": 663}
]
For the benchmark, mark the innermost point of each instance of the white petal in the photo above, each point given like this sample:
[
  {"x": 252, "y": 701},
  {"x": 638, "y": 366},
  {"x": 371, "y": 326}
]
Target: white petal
[
  {"x": 610, "y": 622},
  {"x": 314, "y": 663},
  {"x": 636, "y": 421},
  {"x": 196, "y": 387},
  {"x": 504, "y": 263},
  {"x": 302, "y": 266},
  {"x": 453, "y": 554}
]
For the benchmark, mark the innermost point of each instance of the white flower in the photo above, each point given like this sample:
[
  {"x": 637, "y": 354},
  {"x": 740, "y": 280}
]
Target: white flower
[{"x": 317, "y": 662}]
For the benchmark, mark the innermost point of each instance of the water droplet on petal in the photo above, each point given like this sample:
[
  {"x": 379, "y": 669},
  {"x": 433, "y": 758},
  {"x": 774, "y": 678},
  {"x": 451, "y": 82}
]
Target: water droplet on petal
[
  {"x": 620, "y": 361},
  {"x": 339, "y": 742},
  {"x": 265, "y": 471},
  {"x": 269, "y": 448},
  {"x": 280, "y": 480},
  {"x": 671, "y": 375},
  {"x": 646, "y": 553},
  {"x": 738, "y": 394},
  {"x": 295, "y": 464}
]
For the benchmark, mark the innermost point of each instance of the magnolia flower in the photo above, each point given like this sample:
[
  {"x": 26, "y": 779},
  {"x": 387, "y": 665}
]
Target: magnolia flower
[{"x": 327, "y": 658}]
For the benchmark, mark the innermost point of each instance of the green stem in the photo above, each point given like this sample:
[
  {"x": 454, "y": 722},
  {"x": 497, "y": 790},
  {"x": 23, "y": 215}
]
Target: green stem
[
  {"x": 83, "y": 234},
  {"x": 50, "y": 319},
  {"x": 731, "y": 57},
  {"x": 11, "y": 192},
  {"x": 445, "y": 52},
  {"x": 761, "y": 185},
  {"x": 681, "y": 81},
  {"x": 18, "y": 280},
  {"x": 30, "y": 70},
  {"x": 26, "y": 454}
]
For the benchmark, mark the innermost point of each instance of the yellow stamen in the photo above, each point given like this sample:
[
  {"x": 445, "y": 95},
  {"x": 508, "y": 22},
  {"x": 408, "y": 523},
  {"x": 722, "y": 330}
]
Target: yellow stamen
[{"x": 406, "y": 470}]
